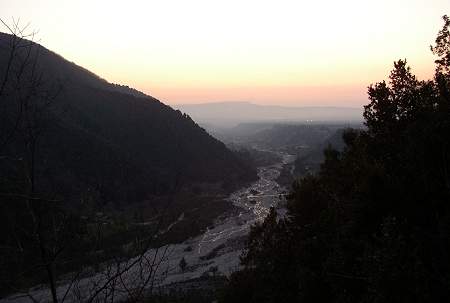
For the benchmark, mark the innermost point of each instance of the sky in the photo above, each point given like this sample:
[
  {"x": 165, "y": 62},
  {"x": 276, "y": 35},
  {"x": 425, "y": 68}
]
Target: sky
[{"x": 297, "y": 53}]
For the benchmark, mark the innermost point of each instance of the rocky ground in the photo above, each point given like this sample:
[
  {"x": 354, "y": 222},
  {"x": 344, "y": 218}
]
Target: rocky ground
[{"x": 214, "y": 253}]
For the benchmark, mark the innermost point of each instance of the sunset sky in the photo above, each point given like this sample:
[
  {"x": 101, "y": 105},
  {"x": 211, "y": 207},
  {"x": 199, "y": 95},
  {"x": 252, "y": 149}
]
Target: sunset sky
[{"x": 268, "y": 52}]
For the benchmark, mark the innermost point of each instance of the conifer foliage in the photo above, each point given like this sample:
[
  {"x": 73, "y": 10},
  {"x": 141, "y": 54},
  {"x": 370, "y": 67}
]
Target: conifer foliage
[{"x": 373, "y": 225}]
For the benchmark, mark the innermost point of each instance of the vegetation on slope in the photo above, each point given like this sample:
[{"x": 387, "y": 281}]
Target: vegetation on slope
[
  {"x": 92, "y": 171},
  {"x": 373, "y": 224}
]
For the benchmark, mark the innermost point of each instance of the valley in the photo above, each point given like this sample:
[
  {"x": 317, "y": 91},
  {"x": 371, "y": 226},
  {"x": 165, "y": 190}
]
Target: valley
[
  {"x": 213, "y": 253},
  {"x": 224, "y": 151}
]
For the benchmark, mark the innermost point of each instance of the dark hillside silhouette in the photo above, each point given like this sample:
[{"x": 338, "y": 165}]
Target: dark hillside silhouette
[
  {"x": 91, "y": 172},
  {"x": 119, "y": 142}
]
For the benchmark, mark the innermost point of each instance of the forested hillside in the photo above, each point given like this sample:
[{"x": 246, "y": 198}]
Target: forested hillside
[
  {"x": 92, "y": 172},
  {"x": 99, "y": 137}
]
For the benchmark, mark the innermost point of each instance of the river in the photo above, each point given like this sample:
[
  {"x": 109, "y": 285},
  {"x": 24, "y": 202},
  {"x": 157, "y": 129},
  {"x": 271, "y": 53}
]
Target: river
[{"x": 216, "y": 251}]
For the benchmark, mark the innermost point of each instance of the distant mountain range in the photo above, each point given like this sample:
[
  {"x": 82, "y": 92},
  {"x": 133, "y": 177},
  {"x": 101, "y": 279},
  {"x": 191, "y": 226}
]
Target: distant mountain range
[
  {"x": 110, "y": 141},
  {"x": 229, "y": 114}
]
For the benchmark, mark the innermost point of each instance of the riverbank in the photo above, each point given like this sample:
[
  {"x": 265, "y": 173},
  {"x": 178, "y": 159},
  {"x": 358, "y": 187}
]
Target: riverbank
[{"x": 215, "y": 252}]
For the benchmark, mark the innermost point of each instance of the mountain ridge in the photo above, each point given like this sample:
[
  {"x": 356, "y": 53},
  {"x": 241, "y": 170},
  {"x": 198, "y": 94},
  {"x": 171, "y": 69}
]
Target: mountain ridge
[
  {"x": 140, "y": 143},
  {"x": 229, "y": 114}
]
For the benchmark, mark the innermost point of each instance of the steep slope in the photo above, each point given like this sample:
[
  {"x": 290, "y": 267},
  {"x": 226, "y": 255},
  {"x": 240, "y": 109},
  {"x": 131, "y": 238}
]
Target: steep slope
[{"x": 108, "y": 139}]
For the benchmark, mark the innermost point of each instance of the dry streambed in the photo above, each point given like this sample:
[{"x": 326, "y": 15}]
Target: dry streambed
[{"x": 214, "y": 252}]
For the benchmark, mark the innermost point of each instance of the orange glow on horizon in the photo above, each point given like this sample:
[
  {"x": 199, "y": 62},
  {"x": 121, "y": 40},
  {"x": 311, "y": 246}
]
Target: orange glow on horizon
[
  {"x": 310, "y": 96},
  {"x": 270, "y": 52}
]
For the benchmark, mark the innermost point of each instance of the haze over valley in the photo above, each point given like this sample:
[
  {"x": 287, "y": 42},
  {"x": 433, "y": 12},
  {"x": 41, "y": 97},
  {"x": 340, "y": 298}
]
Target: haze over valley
[
  {"x": 126, "y": 177},
  {"x": 230, "y": 114}
]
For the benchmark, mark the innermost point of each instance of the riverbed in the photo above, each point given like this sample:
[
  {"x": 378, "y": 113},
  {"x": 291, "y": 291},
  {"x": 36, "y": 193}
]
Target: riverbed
[{"x": 216, "y": 251}]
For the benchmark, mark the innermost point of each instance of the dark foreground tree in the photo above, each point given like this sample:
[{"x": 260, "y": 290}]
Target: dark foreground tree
[
  {"x": 43, "y": 237},
  {"x": 373, "y": 225}
]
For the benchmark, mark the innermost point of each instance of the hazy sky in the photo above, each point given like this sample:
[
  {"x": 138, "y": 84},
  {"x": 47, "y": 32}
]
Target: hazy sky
[{"x": 274, "y": 52}]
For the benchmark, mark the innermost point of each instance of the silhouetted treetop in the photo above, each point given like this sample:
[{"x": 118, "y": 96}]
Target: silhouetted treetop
[
  {"x": 442, "y": 48},
  {"x": 373, "y": 224}
]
